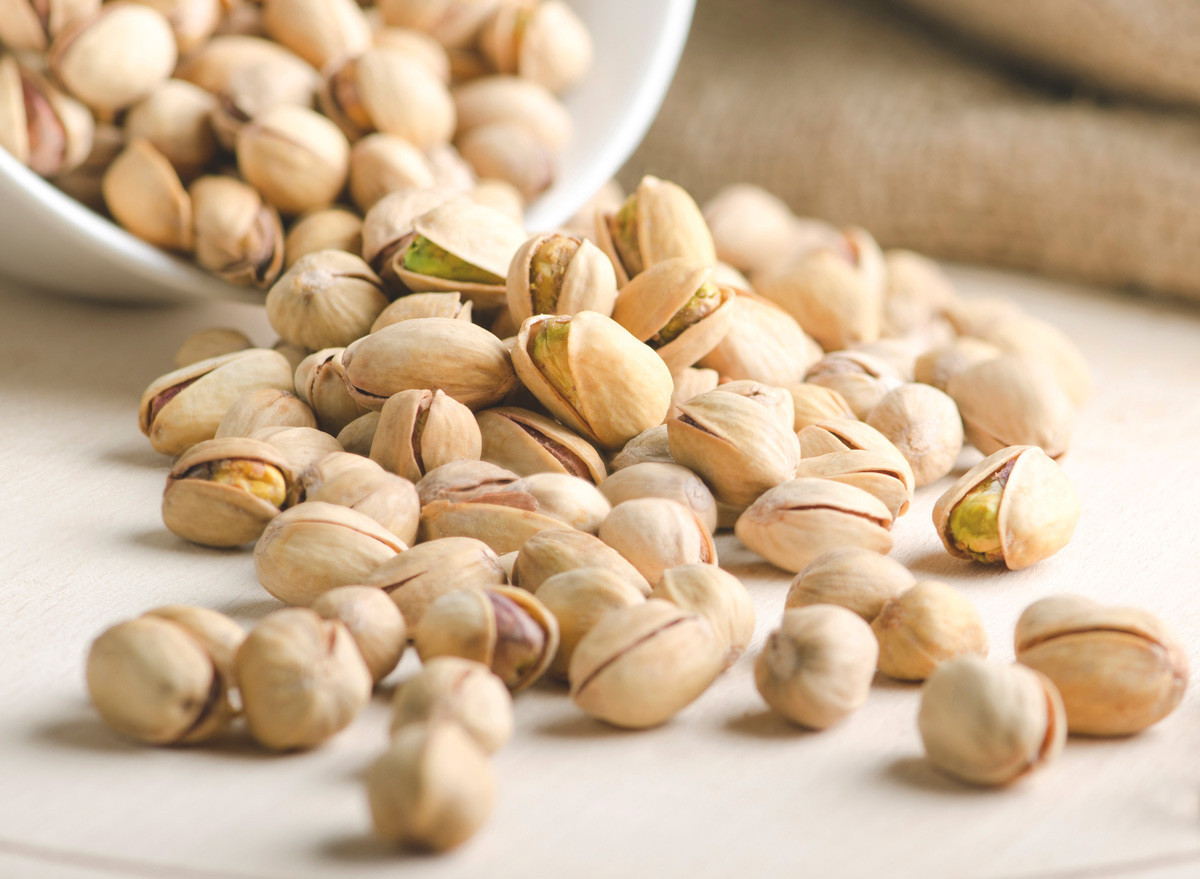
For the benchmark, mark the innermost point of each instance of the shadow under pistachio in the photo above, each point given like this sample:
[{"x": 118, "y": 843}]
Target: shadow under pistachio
[
  {"x": 766, "y": 725},
  {"x": 367, "y": 849},
  {"x": 917, "y": 773},
  {"x": 84, "y": 733}
]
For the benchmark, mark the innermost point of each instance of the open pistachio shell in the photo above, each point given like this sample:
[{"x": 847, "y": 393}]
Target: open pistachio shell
[
  {"x": 813, "y": 403},
  {"x": 552, "y": 552},
  {"x": 144, "y": 194},
  {"x": 360, "y": 484},
  {"x": 559, "y": 274},
  {"x": 420, "y": 430},
  {"x": 42, "y": 127},
  {"x": 321, "y": 382},
  {"x": 503, "y": 527},
  {"x": 763, "y": 343},
  {"x": 390, "y": 221},
  {"x": 875, "y": 472},
  {"x": 238, "y": 237},
  {"x": 418, "y": 577},
  {"x": 840, "y": 434},
  {"x": 527, "y": 443},
  {"x": 690, "y": 382},
  {"x": 861, "y": 378}
]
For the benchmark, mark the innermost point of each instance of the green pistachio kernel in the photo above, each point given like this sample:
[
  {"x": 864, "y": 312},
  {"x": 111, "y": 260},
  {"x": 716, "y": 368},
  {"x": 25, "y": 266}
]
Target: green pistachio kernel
[
  {"x": 547, "y": 269},
  {"x": 974, "y": 521},
  {"x": 423, "y": 257},
  {"x": 548, "y": 350},
  {"x": 625, "y": 237},
  {"x": 703, "y": 303}
]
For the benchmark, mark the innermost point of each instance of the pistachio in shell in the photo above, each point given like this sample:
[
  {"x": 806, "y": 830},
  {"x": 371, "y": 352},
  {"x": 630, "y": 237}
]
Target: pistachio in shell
[
  {"x": 459, "y": 690},
  {"x": 210, "y": 342},
  {"x": 526, "y": 443},
  {"x": 688, "y": 383},
  {"x": 509, "y": 152},
  {"x": 937, "y": 365},
  {"x": 862, "y": 379},
  {"x": 649, "y": 446},
  {"x": 814, "y": 403},
  {"x": 418, "y": 577},
  {"x": 923, "y": 627},
  {"x": 502, "y": 521},
  {"x": 573, "y": 501},
  {"x": 857, "y": 579},
  {"x": 321, "y": 383},
  {"x": 552, "y": 552},
  {"x": 578, "y": 598},
  {"x": 295, "y": 157},
  {"x": 174, "y": 117},
  {"x": 917, "y": 293},
  {"x": 144, "y": 194},
  {"x": 325, "y": 300},
  {"x": 40, "y": 126},
  {"x": 877, "y": 473},
  {"x": 238, "y": 237},
  {"x": 924, "y": 424},
  {"x": 389, "y": 223},
  {"x": 839, "y": 435},
  {"x": 453, "y": 23},
  {"x": 381, "y": 164},
  {"x": 359, "y": 484},
  {"x": 544, "y": 42},
  {"x": 374, "y": 622},
  {"x": 489, "y": 100},
  {"x": 750, "y": 226},
  {"x": 414, "y": 305},
  {"x": 763, "y": 343},
  {"x": 319, "y": 31},
  {"x": 301, "y": 446},
  {"x": 655, "y": 534},
  {"x": 718, "y": 595},
  {"x": 358, "y": 435},
  {"x": 461, "y": 481},
  {"x": 559, "y": 274},
  {"x": 268, "y": 407},
  {"x": 658, "y": 479},
  {"x": 28, "y": 24},
  {"x": 323, "y": 229},
  {"x": 420, "y": 430}
]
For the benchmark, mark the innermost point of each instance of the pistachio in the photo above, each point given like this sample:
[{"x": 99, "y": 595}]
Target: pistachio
[
  {"x": 318, "y": 546},
  {"x": 901, "y": 354},
  {"x": 381, "y": 164},
  {"x": 1038, "y": 339},
  {"x": 174, "y": 118},
  {"x": 542, "y": 42},
  {"x": 814, "y": 403},
  {"x": 559, "y": 274},
  {"x": 504, "y": 521},
  {"x": 294, "y": 354},
  {"x": 432, "y": 789},
  {"x": 462, "y": 481},
  {"x": 1016, "y": 507},
  {"x": 553, "y": 552},
  {"x": 144, "y": 194},
  {"x": 726, "y": 275},
  {"x": 764, "y": 343},
  {"x": 81, "y": 56},
  {"x": 826, "y": 437},
  {"x": 326, "y": 299},
  {"x": 213, "y": 342},
  {"x": 319, "y": 31},
  {"x": 453, "y": 23},
  {"x": 717, "y": 595},
  {"x": 857, "y": 579},
  {"x": 689, "y": 383},
  {"x": 659, "y": 221},
  {"x": 860, "y": 378},
  {"x": 192, "y": 21},
  {"x": 918, "y": 292},
  {"x": 924, "y": 424},
  {"x": 321, "y": 382},
  {"x": 640, "y": 665},
  {"x": 39, "y": 125},
  {"x": 238, "y": 238},
  {"x": 573, "y": 501},
  {"x": 219, "y": 635},
  {"x": 414, "y": 305},
  {"x": 938, "y": 365},
  {"x": 507, "y": 629},
  {"x": 738, "y": 444},
  {"x": 493, "y": 99},
  {"x": 972, "y": 317},
  {"x": 418, "y": 577},
  {"x": 593, "y": 376},
  {"x": 221, "y": 61},
  {"x": 527, "y": 443},
  {"x": 361, "y": 485},
  {"x": 464, "y": 361},
  {"x": 374, "y": 622},
  {"x": 323, "y": 229},
  {"x": 357, "y": 436},
  {"x": 302, "y": 679},
  {"x": 389, "y": 223},
  {"x": 449, "y": 688},
  {"x": 30, "y": 24},
  {"x": 1013, "y": 400},
  {"x": 750, "y": 226},
  {"x": 418, "y": 45},
  {"x": 670, "y": 481},
  {"x": 248, "y": 83},
  {"x": 511, "y": 152},
  {"x": 421, "y": 430},
  {"x": 817, "y": 667},
  {"x": 876, "y": 473},
  {"x": 85, "y": 183},
  {"x": 578, "y": 598},
  {"x": 301, "y": 446},
  {"x": 295, "y": 157},
  {"x": 655, "y": 534},
  {"x": 649, "y": 446},
  {"x": 223, "y": 492},
  {"x": 800, "y": 520},
  {"x": 1119, "y": 669},
  {"x": 157, "y": 681},
  {"x": 186, "y": 406},
  {"x": 499, "y": 195},
  {"x": 923, "y": 627},
  {"x": 990, "y": 724}
]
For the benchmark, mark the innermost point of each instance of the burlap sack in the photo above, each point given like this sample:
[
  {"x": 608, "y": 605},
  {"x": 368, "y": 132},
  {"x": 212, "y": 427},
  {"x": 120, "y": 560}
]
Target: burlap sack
[{"x": 858, "y": 113}]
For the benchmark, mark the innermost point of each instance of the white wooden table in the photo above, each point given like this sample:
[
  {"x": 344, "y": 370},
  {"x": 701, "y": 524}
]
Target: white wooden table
[{"x": 724, "y": 790}]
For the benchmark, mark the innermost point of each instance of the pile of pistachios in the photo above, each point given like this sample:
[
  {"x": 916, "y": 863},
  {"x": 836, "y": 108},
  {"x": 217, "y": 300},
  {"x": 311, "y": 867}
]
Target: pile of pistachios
[
  {"x": 514, "y": 452},
  {"x": 205, "y": 126}
]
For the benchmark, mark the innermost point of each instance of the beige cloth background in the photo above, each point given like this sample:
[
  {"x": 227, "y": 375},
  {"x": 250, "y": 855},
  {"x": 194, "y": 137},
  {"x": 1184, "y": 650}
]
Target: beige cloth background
[{"x": 861, "y": 112}]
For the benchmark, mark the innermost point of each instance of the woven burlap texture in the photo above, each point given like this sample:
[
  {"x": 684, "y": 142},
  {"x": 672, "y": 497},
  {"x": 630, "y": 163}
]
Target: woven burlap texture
[{"x": 857, "y": 113}]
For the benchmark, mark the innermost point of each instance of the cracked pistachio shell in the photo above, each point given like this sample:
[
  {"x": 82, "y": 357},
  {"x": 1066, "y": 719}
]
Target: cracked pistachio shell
[
  {"x": 1119, "y": 669},
  {"x": 295, "y": 157},
  {"x": 777, "y": 400},
  {"x": 381, "y": 164},
  {"x": 862, "y": 379},
  {"x": 738, "y": 444},
  {"x": 796, "y": 522},
  {"x": 924, "y": 424},
  {"x": 1041, "y": 340},
  {"x": 360, "y": 484},
  {"x": 223, "y": 492},
  {"x": 925, "y": 626},
  {"x": 269, "y": 407},
  {"x": 175, "y": 119},
  {"x": 390, "y": 221},
  {"x": 655, "y": 534},
  {"x": 690, "y": 382},
  {"x": 144, "y": 194},
  {"x": 641, "y": 665},
  {"x": 552, "y": 552},
  {"x": 1028, "y": 512},
  {"x": 461, "y": 481},
  {"x": 917, "y": 292},
  {"x": 718, "y": 596},
  {"x": 814, "y": 403},
  {"x": 358, "y": 435},
  {"x": 83, "y": 56},
  {"x": 453, "y": 23},
  {"x": 155, "y": 680},
  {"x": 659, "y": 299},
  {"x": 657, "y": 479},
  {"x": 857, "y": 579},
  {"x": 489, "y": 100},
  {"x": 414, "y": 305},
  {"x": 418, "y": 577},
  {"x": 213, "y": 342},
  {"x": 323, "y": 229},
  {"x": 527, "y": 443},
  {"x": 610, "y": 386},
  {"x": 432, "y": 789},
  {"x": 319, "y": 31},
  {"x": 238, "y": 237},
  {"x": 389, "y": 91},
  {"x": 649, "y": 446},
  {"x": 578, "y": 599},
  {"x": 876, "y": 473},
  {"x": 39, "y": 125},
  {"x": 321, "y": 382},
  {"x": 511, "y": 152},
  {"x": 319, "y": 546},
  {"x": 938, "y": 365},
  {"x": 301, "y": 446},
  {"x": 750, "y": 226},
  {"x": 479, "y": 236},
  {"x": 764, "y": 343},
  {"x": 505, "y": 628},
  {"x": 660, "y": 221},
  {"x": 1013, "y": 400},
  {"x": 826, "y": 437},
  {"x": 326, "y": 299},
  {"x": 33, "y": 24},
  {"x": 502, "y": 521},
  {"x": 459, "y": 690},
  {"x": 817, "y": 667},
  {"x": 834, "y": 293},
  {"x": 545, "y": 43},
  {"x": 466, "y": 362},
  {"x": 302, "y": 679},
  {"x": 374, "y": 622},
  {"x": 421, "y": 430},
  {"x": 573, "y": 501},
  {"x": 559, "y": 274},
  {"x": 186, "y": 406},
  {"x": 990, "y": 724}
]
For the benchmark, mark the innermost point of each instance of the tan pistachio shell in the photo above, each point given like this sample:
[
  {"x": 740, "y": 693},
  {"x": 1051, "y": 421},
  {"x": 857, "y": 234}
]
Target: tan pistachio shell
[
  {"x": 268, "y": 407},
  {"x": 857, "y": 579},
  {"x": 527, "y": 443},
  {"x": 453, "y": 23},
  {"x": 800, "y": 520},
  {"x": 688, "y": 383},
  {"x": 248, "y": 82},
  {"x": 319, "y": 31},
  {"x": 318, "y": 547},
  {"x": 381, "y": 164},
  {"x": 573, "y": 501},
  {"x": 211, "y": 342},
  {"x": 552, "y": 552},
  {"x": 1038, "y": 510},
  {"x": 763, "y": 343},
  {"x": 1042, "y": 340},
  {"x": 937, "y": 365},
  {"x": 750, "y": 226},
  {"x": 547, "y": 44},
  {"x": 460, "y": 690},
  {"x": 502, "y": 527},
  {"x": 814, "y": 403},
  {"x": 1013, "y": 400},
  {"x": 777, "y": 400},
  {"x": 925, "y": 626},
  {"x": 27, "y": 24},
  {"x": 862, "y": 379},
  {"x": 670, "y": 481},
  {"x": 461, "y": 481},
  {"x": 218, "y": 634},
  {"x": 838, "y": 435},
  {"x": 321, "y": 382},
  {"x": 301, "y": 446},
  {"x": 358, "y": 435},
  {"x": 225, "y": 56},
  {"x": 875, "y": 472},
  {"x": 414, "y": 305},
  {"x": 326, "y": 299},
  {"x": 145, "y": 195},
  {"x": 649, "y": 446},
  {"x": 419, "y": 45},
  {"x": 374, "y": 622},
  {"x": 175, "y": 118},
  {"x": 1119, "y": 669},
  {"x": 39, "y": 125},
  {"x": 510, "y": 152},
  {"x": 900, "y": 353},
  {"x": 918, "y": 291},
  {"x": 238, "y": 237},
  {"x": 295, "y": 157},
  {"x": 924, "y": 425},
  {"x": 390, "y": 221},
  {"x": 578, "y": 599},
  {"x": 406, "y": 445},
  {"x": 716, "y": 594},
  {"x": 419, "y": 576},
  {"x": 360, "y": 484},
  {"x": 655, "y": 534},
  {"x": 323, "y": 229},
  {"x": 588, "y": 281},
  {"x": 492, "y": 99}
]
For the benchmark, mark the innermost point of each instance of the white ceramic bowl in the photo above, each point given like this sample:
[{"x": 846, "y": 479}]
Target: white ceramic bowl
[{"x": 50, "y": 241}]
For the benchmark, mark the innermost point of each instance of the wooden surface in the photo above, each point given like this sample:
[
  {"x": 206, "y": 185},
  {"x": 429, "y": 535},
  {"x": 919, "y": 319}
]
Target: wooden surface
[{"x": 723, "y": 790}]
